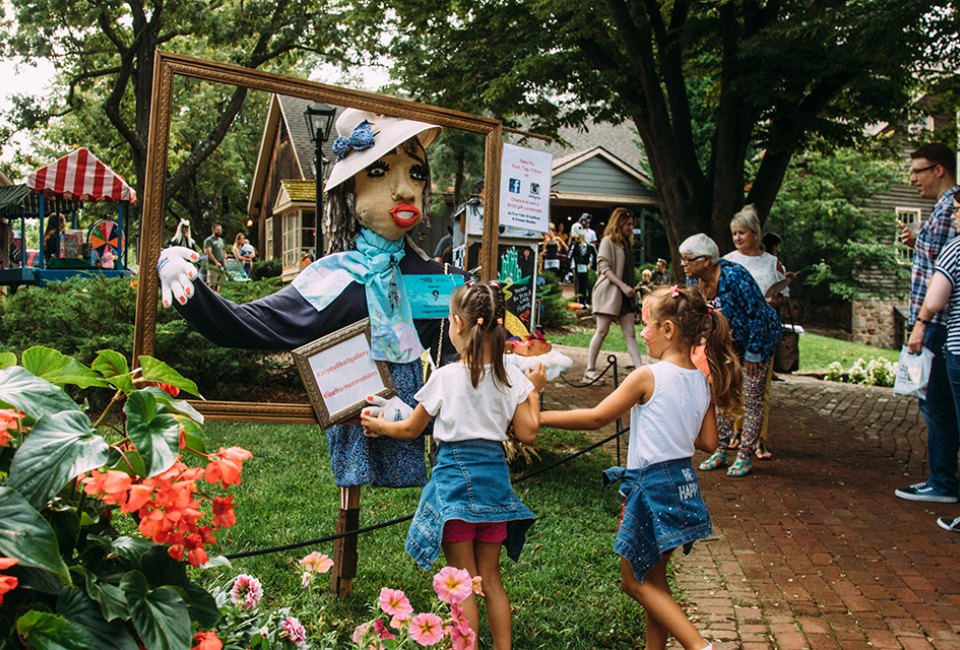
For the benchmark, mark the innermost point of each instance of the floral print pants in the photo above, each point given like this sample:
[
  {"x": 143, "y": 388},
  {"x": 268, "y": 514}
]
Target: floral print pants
[{"x": 754, "y": 410}]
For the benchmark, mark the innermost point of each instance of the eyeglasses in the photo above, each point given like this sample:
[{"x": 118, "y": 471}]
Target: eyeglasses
[
  {"x": 920, "y": 170},
  {"x": 691, "y": 260}
]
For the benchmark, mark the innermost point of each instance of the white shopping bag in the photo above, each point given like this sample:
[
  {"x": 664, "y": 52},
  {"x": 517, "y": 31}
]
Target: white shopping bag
[{"x": 913, "y": 373}]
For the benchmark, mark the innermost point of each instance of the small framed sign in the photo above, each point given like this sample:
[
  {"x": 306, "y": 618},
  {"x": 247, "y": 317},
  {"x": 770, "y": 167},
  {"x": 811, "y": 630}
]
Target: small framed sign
[{"x": 339, "y": 373}]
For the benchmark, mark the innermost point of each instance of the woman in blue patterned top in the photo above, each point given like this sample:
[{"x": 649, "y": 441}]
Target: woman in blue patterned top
[{"x": 756, "y": 330}]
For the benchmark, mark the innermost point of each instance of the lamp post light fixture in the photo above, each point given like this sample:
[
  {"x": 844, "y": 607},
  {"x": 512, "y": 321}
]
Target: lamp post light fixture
[{"x": 319, "y": 118}]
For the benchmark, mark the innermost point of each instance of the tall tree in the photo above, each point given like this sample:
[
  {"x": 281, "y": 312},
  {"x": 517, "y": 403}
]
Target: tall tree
[
  {"x": 104, "y": 51},
  {"x": 763, "y": 75}
]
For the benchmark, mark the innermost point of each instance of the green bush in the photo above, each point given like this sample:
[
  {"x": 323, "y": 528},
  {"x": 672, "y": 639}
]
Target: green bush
[
  {"x": 267, "y": 269},
  {"x": 554, "y": 312},
  {"x": 85, "y": 315}
]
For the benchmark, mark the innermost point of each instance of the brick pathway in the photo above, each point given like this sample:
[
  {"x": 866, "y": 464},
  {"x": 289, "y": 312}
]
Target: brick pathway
[{"x": 813, "y": 550}]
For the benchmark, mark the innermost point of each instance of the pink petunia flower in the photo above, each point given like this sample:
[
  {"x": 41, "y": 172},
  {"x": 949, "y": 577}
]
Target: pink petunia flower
[
  {"x": 381, "y": 629},
  {"x": 395, "y": 603},
  {"x": 293, "y": 630},
  {"x": 358, "y": 633},
  {"x": 478, "y": 585},
  {"x": 426, "y": 629},
  {"x": 247, "y": 592},
  {"x": 453, "y": 585},
  {"x": 462, "y": 637},
  {"x": 399, "y": 622},
  {"x": 317, "y": 562}
]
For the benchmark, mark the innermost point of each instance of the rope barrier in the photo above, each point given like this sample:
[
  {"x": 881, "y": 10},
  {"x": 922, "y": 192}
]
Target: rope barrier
[{"x": 386, "y": 524}]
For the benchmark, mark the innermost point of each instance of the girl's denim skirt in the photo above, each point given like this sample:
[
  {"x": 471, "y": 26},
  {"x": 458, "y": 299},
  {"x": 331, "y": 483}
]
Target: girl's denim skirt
[
  {"x": 663, "y": 510},
  {"x": 470, "y": 481}
]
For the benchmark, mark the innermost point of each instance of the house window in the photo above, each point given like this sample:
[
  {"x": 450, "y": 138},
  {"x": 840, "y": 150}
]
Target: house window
[
  {"x": 911, "y": 218},
  {"x": 291, "y": 239},
  {"x": 267, "y": 252}
]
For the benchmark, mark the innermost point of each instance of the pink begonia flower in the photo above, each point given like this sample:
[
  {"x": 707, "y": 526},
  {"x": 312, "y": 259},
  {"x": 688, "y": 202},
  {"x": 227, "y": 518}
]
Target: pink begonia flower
[
  {"x": 426, "y": 629},
  {"x": 247, "y": 592},
  {"x": 453, "y": 585},
  {"x": 293, "y": 630},
  {"x": 317, "y": 562},
  {"x": 381, "y": 630},
  {"x": 395, "y": 603}
]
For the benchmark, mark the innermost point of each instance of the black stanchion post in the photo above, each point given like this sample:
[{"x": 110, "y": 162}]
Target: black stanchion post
[
  {"x": 345, "y": 548},
  {"x": 612, "y": 359}
]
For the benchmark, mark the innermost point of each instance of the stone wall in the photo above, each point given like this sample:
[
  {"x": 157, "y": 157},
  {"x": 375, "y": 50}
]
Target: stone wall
[{"x": 873, "y": 321}]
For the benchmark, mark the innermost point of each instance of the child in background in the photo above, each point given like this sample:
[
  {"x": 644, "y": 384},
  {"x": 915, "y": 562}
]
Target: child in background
[
  {"x": 469, "y": 509},
  {"x": 671, "y": 406}
]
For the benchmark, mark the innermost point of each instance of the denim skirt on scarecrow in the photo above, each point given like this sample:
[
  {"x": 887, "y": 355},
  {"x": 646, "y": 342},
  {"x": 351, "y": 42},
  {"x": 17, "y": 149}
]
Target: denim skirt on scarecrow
[{"x": 471, "y": 482}]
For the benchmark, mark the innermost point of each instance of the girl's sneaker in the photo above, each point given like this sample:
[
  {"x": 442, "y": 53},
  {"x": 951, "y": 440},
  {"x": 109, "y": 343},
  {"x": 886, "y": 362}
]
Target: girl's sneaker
[{"x": 951, "y": 524}]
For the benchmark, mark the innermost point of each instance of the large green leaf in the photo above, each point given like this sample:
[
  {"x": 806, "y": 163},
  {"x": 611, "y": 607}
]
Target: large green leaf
[
  {"x": 159, "y": 615},
  {"x": 166, "y": 403},
  {"x": 201, "y": 604},
  {"x": 61, "y": 447},
  {"x": 156, "y": 435},
  {"x": 133, "y": 548},
  {"x": 7, "y": 359},
  {"x": 26, "y": 536},
  {"x": 156, "y": 370},
  {"x": 78, "y": 608},
  {"x": 45, "y": 631},
  {"x": 58, "y": 368},
  {"x": 109, "y": 597},
  {"x": 114, "y": 368},
  {"x": 34, "y": 396}
]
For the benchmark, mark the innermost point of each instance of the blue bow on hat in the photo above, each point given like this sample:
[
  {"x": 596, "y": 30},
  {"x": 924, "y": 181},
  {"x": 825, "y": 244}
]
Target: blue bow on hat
[{"x": 360, "y": 139}]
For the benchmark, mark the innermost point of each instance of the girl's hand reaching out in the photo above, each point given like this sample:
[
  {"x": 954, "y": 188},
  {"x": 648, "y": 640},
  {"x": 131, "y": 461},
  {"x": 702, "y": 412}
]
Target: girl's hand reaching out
[
  {"x": 537, "y": 376},
  {"x": 371, "y": 423}
]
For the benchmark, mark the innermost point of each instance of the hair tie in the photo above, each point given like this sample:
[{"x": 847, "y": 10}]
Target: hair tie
[
  {"x": 709, "y": 310},
  {"x": 675, "y": 291},
  {"x": 480, "y": 321}
]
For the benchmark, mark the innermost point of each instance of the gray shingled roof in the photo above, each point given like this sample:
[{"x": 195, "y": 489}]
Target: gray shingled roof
[
  {"x": 621, "y": 140},
  {"x": 292, "y": 109}
]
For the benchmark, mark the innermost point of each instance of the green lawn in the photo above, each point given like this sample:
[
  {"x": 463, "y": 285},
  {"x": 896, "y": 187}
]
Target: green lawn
[
  {"x": 816, "y": 352},
  {"x": 565, "y": 591}
]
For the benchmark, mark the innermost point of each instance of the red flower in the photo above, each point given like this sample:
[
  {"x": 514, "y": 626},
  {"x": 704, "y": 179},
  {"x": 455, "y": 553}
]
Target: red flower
[
  {"x": 207, "y": 641},
  {"x": 7, "y": 583},
  {"x": 226, "y": 466},
  {"x": 223, "y": 515},
  {"x": 172, "y": 391}
]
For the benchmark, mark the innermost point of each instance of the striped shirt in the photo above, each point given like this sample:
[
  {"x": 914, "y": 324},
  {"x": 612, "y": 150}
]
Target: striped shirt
[
  {"x": 931, "y": 238},
  {"x": 949, "y": 265}
]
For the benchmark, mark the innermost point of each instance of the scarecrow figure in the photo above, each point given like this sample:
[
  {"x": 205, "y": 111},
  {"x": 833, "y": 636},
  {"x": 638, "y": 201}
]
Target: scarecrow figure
[{"x": 376, "y": 194}]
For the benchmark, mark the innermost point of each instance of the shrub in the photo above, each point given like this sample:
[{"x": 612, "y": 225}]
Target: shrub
[
  {"x": 553, "y": 306},
  {"x": 267, "y": 269},
  {"x": 96, "y": 521},
  {"x": 875, "y": 372}
]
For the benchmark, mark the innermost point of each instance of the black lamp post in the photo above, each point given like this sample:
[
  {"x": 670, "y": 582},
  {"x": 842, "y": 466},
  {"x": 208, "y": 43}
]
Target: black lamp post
[{"x": 319, "y": 118}]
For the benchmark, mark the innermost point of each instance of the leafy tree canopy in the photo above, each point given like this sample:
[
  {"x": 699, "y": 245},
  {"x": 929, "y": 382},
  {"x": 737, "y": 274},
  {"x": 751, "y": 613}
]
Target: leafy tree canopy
[{"x": 707, "y": 84}]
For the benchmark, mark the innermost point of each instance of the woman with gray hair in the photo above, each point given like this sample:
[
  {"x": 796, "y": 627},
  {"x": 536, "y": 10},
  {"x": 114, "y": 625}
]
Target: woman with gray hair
[{"x": 755, "y": 329}]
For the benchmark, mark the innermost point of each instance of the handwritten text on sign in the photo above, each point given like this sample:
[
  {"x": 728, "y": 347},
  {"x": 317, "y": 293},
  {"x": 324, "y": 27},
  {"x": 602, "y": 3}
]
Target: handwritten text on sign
[
  {"x": 525, "y": 177},
  {"x": 345, "y": 373}
]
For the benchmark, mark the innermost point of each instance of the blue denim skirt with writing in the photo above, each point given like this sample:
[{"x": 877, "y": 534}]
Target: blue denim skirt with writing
[
  {"x": 663, "y": 510},
  {"x": 471, "y": 482}
]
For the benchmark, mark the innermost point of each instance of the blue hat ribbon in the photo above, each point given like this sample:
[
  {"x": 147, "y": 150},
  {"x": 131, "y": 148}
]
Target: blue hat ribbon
[{"x": 360, "y": 139}]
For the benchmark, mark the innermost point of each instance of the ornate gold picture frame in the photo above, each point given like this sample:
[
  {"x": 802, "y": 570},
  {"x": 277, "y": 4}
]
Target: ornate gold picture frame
[{"x": 167, "y": 66}]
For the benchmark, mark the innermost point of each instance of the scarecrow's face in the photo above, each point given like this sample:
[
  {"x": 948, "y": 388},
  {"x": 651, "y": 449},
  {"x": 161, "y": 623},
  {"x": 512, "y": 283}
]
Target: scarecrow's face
[{"x": 389, "y": 193}]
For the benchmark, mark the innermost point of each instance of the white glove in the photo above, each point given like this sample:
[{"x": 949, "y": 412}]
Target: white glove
[
  {"x": 393, "y": 409},
  {"x": 176, "y": 274}
]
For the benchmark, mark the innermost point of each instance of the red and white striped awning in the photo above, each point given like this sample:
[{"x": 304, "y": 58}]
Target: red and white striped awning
[{"x": 79, "y": 176}]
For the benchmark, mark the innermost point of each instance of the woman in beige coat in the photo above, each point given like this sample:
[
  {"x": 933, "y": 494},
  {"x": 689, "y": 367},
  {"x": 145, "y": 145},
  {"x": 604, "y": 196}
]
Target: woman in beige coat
[{"x": 613, "y": 294}]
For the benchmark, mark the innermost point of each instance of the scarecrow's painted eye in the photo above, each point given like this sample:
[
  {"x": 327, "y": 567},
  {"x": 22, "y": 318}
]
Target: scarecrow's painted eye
[
  {"x": 418, "y": 173},
  {"x": 378, "y": 169}
]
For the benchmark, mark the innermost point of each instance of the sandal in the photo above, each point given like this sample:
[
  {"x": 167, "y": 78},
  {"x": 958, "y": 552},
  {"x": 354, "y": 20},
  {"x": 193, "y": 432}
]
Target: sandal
[
  {"x": 717, "y": 460},
  {"x": 740, "y": 467},
  {"x": 763, "y": 453}
]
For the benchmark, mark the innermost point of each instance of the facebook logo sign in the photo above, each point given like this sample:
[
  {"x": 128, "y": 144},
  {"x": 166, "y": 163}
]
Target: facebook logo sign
[{"x": 514, "y": 186}]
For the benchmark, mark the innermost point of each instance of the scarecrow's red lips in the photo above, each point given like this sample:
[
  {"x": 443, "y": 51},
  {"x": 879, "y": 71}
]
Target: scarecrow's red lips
[{"x": 405, "y": 215}]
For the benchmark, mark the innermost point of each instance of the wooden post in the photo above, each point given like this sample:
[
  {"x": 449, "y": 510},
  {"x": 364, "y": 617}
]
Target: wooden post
[{"x": 345, "y": 548}]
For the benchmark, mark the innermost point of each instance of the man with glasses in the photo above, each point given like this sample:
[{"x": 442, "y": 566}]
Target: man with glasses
[{"x": 933, "y": 174}]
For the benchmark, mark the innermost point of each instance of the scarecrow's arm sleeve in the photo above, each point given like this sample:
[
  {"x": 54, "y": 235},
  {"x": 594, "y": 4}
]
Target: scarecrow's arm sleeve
[{"x": 280, "y": 321}]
